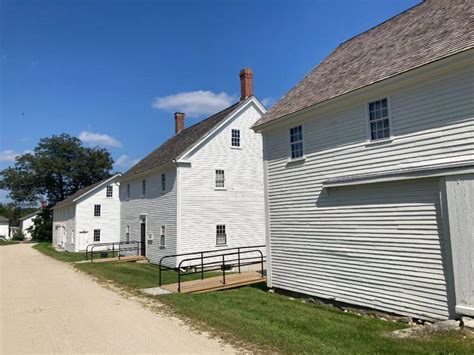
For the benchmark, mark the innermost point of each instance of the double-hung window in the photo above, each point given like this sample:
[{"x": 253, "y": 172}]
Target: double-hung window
[
  {"x": 379, "y": 120},
  {"x": 296, "y": 142},
  {"x": 163, "y": 236},
  {"x": 96, "y": 210},
  {"x": 110, "y": 190},
  {"x": 127, "y": 234},
  {"x": 220, "y": 179},
  {"x": 96, "y": 235},
  {"x": 235, "y": 140},
  {"x": 143, "y": 187},
  {"x": 163, "y": 182},
  {"x": 128, "y": 190},
  {"x": 221, "y": 237}
]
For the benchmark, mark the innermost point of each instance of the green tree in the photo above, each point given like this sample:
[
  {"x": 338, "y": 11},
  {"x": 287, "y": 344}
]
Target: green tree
[
  {"x": 41, "y": 230},
  {"x": 58, "y": 167}
]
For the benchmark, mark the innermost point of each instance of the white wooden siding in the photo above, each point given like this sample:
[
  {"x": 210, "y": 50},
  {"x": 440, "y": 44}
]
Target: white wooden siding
[
  {"x": 4, "y": 229},
  {"x": 460, "y": 201},
  {"x": 240, "y": 206},
  {"x": 108, "y": 222},
  {"x": 158, "y": 207},
  {"x": 25, "y": 224},
  {"x": 384, "y": 249},
  {"x": 64, "y": 225}
]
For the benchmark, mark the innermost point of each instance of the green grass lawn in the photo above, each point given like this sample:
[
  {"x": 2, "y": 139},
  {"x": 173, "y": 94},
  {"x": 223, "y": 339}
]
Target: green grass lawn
[
  {"x": 7, "y": 242},
  {"x": 273, "y": 322},
  {"x": 48, "y": 249}
]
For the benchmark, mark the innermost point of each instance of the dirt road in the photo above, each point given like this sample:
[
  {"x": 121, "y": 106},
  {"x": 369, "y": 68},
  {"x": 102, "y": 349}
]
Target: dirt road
[{"x": 47, "y": 307}]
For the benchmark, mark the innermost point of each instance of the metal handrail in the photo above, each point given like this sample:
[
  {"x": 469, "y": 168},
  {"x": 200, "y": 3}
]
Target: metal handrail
[
  {"x": 90, "y": 248},
  {"x": 200, "y": 255}
]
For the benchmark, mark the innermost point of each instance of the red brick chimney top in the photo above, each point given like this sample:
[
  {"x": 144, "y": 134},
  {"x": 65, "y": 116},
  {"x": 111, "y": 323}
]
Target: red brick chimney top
[
  {"x": 246, "y": 83},
  {"x": 179, "y": 121}
]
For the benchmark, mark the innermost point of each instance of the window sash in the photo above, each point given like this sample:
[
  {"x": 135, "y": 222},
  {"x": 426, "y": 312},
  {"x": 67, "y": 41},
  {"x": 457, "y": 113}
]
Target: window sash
[
  {"x": 128, "y": 190},
  {"x": 96, "y": 235},
  {"x": 220, "y": 178},
  {"x": 109, "y": 192},
  {"x": 379, "y": 119},
  {"x": 296, "y": 142},
  {"x": 221, "y": 236},
  {"x": 143, "y": 187},
  {"x": 163, "y": 182},
  {"x": 235, "y": 141},
  {"x": 97, "y": 210}
]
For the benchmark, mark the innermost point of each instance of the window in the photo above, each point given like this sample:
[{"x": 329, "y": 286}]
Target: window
[
  {"x": 379, "y": 120},
  {"x": 128, "y": 190},
  {"x": 235, "y": 138},
  {"x": 163, "y": 182},
  {"x": 220, "y": 180},
  {"x": 127, "y": 234},
  {"x": 143, "y": 187},
  {"x": 110, "y": 190},
  {"x": 296, "y": 142},
  {"x": 221, "y": 238},
  {"x": 96, "y": 235},
  {"x": 162, "y": 237},
  {"x": 96, "y": 210}
]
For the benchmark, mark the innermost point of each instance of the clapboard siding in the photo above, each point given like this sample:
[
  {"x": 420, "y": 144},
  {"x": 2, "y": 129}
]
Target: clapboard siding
[
  {"x": 240, "y": 206},
  {"x": 158, "y": 207},
  {"x": 377, "y": 245},
  {"x": 64, "y": 226}
]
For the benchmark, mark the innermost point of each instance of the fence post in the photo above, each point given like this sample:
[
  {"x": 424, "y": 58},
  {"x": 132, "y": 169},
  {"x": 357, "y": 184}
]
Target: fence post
[
  {"x": 179, "y": 279},
  {"x": 119, "y": 251},
  {"x": 223, "y": 268},
  {"x": 261, "y": 255},
  {"x": 113, "y": 250},
  {"x": 202, "y": 266},
  {"x": 238, "y": 253}
]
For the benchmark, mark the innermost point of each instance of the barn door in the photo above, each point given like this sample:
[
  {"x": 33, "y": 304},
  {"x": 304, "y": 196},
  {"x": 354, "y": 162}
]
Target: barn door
[{"x": 460, "y": 201}]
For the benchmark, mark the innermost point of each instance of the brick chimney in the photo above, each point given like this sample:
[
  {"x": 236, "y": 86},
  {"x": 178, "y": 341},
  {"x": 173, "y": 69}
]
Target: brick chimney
[
  {"x": 179, "y": 121},
  {"x": 246, "y": 83}
]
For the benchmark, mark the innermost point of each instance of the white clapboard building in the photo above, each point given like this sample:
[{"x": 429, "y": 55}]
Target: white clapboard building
[
  {"x": 26, "y": 223},
  {"x": 370, "y": 169},
  {"x": 91, "y": 215},
  {"x": 202, "y": 189}
]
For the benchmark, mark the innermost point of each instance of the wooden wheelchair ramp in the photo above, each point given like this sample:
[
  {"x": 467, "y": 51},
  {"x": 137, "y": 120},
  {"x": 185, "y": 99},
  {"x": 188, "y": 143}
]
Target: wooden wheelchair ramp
[{"x": 217, "y": 283}]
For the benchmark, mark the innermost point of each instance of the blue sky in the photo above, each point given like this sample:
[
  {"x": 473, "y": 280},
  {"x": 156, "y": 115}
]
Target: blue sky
[{"x": 112, "y": 72}]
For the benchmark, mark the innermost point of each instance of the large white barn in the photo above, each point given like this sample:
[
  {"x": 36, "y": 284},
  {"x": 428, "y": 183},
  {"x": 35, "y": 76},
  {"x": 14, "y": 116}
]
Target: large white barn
[
  {"x": 370, "y": 169},
  {"x": 203, "y": 188},
  {"x": 91, "y": 215}
]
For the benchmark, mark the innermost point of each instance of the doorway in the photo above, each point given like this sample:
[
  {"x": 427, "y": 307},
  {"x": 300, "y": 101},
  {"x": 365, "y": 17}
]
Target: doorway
[{"x": 143, "y": 235}]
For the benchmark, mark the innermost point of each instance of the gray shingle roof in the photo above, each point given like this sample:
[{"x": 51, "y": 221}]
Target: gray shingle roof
[
  {"x": 80, "y": 192},
  {"x": 430, "y": 31},
  {"x": 179, "y": 143}
]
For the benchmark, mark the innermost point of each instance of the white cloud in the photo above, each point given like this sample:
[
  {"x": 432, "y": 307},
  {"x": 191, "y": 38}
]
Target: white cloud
[
  {"x": 268, "y": 102},
  {"x": 93, "y": 138},
  {"x": 195, "y": 103},
  {"x": 8, "y": 155},
  {"x": 124, "y": 161}
]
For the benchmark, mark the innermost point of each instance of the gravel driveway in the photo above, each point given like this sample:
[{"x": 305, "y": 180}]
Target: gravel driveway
[{"x": 47, "y": 307}]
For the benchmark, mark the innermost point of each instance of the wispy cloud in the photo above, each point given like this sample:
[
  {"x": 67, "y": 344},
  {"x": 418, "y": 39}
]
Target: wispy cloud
[
  {"x": 9, "y": 155},
  {"x": 268, "y": 102},
  {"x": 195, "y": 103},
  {"x": 124, "y": 161},
  {"x": 93, "y": 138}
]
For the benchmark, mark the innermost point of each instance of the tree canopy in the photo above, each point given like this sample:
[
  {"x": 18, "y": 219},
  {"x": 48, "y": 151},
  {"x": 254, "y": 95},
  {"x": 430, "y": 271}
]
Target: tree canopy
[{"x": 58, "y": 167}]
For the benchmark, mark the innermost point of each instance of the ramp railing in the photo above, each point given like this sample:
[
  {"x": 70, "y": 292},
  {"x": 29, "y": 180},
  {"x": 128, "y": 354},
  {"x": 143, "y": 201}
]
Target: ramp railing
[
  {"x": 214, "y": 260},
  {"x": 113, "y": 247}
]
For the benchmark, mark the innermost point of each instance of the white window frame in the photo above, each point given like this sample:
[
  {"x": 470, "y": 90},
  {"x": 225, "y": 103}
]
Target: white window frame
[
  {"x": 232, "y": 138},
  {"x": 93, "y": 235},
  {"x": 289, "y": 143},
  {"x": 367, "y": 121},
  {"x": 220, "y": 234},
  {"x": 163, "y": 237},
  {"x": 216, "y": 181},
  {"x": 99, "y": 209},
  {"x": 143, "y": 187},
  {"x": 163, "y": 182},
  {"x": 111, "y": 189}
]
